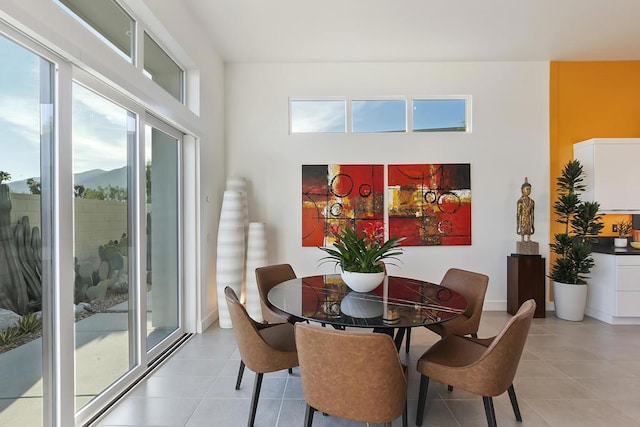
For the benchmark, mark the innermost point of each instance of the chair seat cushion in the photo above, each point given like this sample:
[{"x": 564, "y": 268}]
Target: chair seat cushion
[
  {"x": 280, "y": 336},
  {"x": 457, "y": 326},
  {"x": 453, "y": 351}
]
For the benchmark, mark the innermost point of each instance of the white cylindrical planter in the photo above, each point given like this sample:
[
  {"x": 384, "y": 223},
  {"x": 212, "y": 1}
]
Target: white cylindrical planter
[
  {"x": 570, "y": 301},
  {"x": 256, "y": 257},
  {"x": 240, "y": 184},
  {"x": 620, "y": 242},
  {"x": 230, "y": 253}
]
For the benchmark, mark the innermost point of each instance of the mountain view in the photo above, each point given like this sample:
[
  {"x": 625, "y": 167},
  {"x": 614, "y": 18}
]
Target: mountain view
[{"x": 90, "y": 179}]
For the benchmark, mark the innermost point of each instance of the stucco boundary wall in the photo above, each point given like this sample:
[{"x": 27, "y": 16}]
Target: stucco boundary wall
[{"x": 96, "y": 221}]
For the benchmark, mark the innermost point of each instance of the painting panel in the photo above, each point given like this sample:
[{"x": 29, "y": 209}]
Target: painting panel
[
  {"x": 430, "y": 204},
  {"x": 340, "y": 195}
]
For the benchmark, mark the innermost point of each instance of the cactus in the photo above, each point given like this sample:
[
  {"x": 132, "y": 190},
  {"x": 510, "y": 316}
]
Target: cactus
[
  {"x": 13, "y": 288},
  {"x": 28, "y": 265},
  {"x": 99, "y": 291},
  {"x": 113, "y": 256}
]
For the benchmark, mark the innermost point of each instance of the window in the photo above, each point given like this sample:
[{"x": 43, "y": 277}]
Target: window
[
  {"x": 379, "y": 116},
  {"x": 318, "y": 116},
  {"x": 107, "y": 20},
  {"x": 440, "y": 115},
  {"x": 437, "y": 114},
  {"x": 162, "y": 69},
  {"x": 26, "y": 123}
]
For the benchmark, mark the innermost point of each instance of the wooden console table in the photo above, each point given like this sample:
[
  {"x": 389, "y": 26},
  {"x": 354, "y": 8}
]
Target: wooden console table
[{"x": 525, "y": 280}]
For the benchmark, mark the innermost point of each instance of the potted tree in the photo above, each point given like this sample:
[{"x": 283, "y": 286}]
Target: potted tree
[{"x": 573, "y": 262}]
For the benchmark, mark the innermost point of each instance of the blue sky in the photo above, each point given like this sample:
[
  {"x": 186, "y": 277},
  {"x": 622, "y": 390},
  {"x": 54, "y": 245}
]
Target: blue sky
[
  {"x": 376, "y": 115},
  {"x": 99, "y": 126}
]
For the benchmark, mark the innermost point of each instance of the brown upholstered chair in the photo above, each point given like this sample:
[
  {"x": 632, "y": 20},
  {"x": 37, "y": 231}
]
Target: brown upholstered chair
[
  {"x": 473, "y": 287},
  {"x": 263, "y": 347},
  {"x": 352, "y": 375},
  {"x": 480, "y": 366},
  {"x": 266, "y": 278}
]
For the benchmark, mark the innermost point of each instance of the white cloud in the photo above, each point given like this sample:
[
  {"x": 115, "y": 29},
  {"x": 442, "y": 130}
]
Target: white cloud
[{"x": 318, "y": 116}]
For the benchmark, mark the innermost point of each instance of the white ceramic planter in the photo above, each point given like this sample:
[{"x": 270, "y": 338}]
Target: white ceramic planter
[
  {"x": 230, "y": 253},
  {"x": 256, "y": 257},
  {"x": 240, "y": 185},
  {"x": 570, "y": 301},
  {"x": 620, "y": 242},
  {"x": 362, "y": 282}
]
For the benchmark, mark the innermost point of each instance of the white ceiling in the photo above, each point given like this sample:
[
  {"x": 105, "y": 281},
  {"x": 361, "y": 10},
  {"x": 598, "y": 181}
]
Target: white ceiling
[{"x": 421, "y": 30}]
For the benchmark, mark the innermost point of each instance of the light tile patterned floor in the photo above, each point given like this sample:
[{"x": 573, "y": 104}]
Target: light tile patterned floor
[{"x": 571, "y": 374}]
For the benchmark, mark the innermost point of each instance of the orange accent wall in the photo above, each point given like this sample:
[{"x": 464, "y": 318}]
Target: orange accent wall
[{"x": 590, "y": 100}]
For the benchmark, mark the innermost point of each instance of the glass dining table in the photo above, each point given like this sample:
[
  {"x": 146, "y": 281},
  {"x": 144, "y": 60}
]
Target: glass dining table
[{"x": 397, "y": 304}]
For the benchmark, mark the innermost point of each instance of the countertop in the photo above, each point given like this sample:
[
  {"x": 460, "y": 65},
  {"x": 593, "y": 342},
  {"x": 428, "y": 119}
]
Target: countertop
[{"x": 612, "y": 250}]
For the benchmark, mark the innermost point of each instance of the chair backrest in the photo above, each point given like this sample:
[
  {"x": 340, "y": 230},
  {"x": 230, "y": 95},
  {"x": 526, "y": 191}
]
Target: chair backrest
[
  {"x": 473, "y": 287},
  {"x": 352, "y": 375},
  {"x": 497, "y": 366},
  {"x": 255, "y": 352},
  {"x": 266, "y": 278}
]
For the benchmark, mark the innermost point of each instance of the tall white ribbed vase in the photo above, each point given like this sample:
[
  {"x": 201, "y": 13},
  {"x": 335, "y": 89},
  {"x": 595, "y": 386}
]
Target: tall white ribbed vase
[
  {"x": 240, "y": 184},
  {"x": 256, "y": 257},
  {"x": 231, "y": 251}
]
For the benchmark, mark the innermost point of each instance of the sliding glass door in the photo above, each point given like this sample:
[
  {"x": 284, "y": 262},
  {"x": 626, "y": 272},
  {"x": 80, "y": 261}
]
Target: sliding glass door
[
  {"x": 90, "y": 239},
  {"x": 26, "y": 119},
  {"x": 103, "y": 134},
  {"x": 163, "y": 233}
]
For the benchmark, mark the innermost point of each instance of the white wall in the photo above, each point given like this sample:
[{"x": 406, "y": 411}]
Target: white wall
[{"x": 509, "y": 141}]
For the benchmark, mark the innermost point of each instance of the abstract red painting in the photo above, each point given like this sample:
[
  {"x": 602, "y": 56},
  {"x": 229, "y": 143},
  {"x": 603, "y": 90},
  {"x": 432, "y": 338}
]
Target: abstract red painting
[
  {"x": 340, "y": 195},
  {"x": 430, "y": 204}
]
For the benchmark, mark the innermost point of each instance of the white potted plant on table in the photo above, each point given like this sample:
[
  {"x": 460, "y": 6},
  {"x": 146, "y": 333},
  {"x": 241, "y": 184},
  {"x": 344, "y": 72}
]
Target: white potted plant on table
[{"x": 361, "y": 255}]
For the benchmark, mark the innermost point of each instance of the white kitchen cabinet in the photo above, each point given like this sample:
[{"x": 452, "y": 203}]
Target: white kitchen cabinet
[
  {"x": 614, "y": 289},
  {"x": 611, "y": 172}
]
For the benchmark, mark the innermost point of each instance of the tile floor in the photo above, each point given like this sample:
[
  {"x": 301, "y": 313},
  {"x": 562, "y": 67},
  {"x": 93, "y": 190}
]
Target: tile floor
[{"x": 571, "y": 374}]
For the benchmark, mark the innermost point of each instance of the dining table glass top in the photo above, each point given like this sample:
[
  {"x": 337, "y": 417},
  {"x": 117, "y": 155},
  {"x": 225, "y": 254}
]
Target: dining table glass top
[{"x": 398, "y": 302}]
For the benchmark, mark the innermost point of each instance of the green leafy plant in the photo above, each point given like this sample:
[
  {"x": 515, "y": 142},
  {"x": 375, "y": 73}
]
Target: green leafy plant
[
  {"x": 361, "y": 251},
  {"x": 29, "y": 323},
  {"x": 624, "y": 229},
  {"x": 5, "y": 176},
  {"x": 34, "y": 186},
  {"x": 580, "y": 220},
  {"x": 8, "y": 335}
]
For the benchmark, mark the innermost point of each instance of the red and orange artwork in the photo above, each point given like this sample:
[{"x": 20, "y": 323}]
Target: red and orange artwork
[
  {"x": 430, "y": 204},
  {"x": 340, "y": 196}
]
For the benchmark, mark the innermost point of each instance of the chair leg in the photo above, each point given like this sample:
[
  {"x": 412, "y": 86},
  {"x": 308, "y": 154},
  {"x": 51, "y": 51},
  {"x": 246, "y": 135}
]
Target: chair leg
[
  {"x": 240, "y": 373},
  {"x": 489, "y": 411},
  {"x": 405, "y": 415},
  {"x": 474, "y": 335},
  {"x": 514, "y": 403},
  {"x": 308, "y": 416},
  {"x": 422, "y": 397},
  {"x": 407, "y": 341},
  {"x": 399, "y": 337},
  {"x": 254, "y": 399},
  {"x": 290, "y": 371},
  {"x": 449, "y": 388}
]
